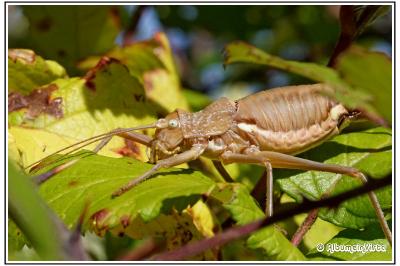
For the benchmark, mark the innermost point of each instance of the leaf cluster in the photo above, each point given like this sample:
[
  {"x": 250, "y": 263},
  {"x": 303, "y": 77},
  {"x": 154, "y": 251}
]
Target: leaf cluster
[{"x": 50, "y": 108}]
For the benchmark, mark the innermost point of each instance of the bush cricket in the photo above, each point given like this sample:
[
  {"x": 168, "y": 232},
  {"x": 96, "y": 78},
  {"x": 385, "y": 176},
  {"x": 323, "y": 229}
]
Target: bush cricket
[{"x": 266, "y": 128}]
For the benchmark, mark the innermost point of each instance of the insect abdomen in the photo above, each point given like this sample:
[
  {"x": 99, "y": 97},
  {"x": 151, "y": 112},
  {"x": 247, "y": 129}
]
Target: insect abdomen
[{"x": 290, "y": 119}]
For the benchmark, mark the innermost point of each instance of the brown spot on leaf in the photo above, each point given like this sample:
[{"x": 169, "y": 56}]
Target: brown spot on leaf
[
  {"x": 44, "y": 24},
  {"x": 37, "y": 102},
  {"x": 91, "y": 74},
  {"x": 90, "y": 84},
  {"x": 25, "y": 55},
  {"x": 125, "y": 221},
  {"x": 72, "y": 183},
  {"x": 160, "y": 38},
  {"x": 99, "y": 216},
  {"x": 16, "y": 101},
  {"x": 97, "y": 221},
  {"x": 121, "y": 234},
  {"x": 148, "y": 80}
]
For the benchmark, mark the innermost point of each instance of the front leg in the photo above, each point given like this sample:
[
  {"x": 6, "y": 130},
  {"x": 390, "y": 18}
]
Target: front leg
[{"x": 184, "y": 157}]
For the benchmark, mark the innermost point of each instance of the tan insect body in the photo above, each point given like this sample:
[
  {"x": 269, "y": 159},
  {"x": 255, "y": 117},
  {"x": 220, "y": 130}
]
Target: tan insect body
[
  {"x": 288, "y": 128},
  {"x": 266, "y": 128}
]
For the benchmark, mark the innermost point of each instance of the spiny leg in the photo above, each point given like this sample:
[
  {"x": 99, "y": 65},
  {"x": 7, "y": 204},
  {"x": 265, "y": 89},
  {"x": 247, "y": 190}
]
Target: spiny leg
[
  {"x": 180, "y": 158},
  {"x": 143, "y": 139},
  {"x": 280, "y": 160}
]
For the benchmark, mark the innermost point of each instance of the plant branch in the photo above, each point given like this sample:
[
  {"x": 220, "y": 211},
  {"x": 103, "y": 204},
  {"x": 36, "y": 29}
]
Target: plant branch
[
  {"x": 234, "y": 233},
  {"x": 353, "y": 21},
  {"x": 150, "y": 246},
  {"x": 304, "y": 227}
]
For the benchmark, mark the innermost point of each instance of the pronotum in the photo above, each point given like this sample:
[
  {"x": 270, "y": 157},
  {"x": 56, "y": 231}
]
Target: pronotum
[{"x": 266, "y": 128}]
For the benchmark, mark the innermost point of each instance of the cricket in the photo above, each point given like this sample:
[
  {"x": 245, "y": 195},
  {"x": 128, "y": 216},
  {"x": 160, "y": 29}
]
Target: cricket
[{"x": 268, "y": 128}]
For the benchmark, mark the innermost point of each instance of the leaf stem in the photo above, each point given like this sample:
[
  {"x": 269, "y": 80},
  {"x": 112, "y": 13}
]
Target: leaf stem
[{"x": 304, "y": 227}]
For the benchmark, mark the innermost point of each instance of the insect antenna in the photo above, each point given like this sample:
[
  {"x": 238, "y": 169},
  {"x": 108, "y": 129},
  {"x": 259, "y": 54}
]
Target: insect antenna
[{"x": 80, "y": 144}]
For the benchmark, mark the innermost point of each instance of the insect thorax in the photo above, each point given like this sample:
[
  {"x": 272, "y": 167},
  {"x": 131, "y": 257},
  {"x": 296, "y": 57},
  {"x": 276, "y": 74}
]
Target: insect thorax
[{"x": 213, "y": 120}]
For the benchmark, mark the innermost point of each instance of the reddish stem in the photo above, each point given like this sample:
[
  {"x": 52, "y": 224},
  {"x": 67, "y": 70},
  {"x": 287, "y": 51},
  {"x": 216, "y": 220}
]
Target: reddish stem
[{"x": 305, "y": 226}]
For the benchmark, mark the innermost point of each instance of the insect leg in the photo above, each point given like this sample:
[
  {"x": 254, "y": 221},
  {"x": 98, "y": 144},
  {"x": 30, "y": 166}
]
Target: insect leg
[
  {"x": 222, "y": 171},
  {"x": 280, "y": 160},
  {"x": 269, "y": 197},
  {"x": 180, "y": 158},
  {"x": 136, "y": 137}
]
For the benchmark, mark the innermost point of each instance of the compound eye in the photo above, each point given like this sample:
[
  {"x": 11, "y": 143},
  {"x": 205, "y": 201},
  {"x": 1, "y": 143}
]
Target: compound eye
[{"x": 173, "y": 123}]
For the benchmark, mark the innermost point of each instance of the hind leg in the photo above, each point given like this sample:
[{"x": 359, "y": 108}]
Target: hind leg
[{"x": 280, "y": 160}]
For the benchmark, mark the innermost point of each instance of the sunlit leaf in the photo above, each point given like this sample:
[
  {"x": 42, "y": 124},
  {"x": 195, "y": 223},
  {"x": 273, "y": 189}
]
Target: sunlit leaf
[
  {"x": 27, "y": 71},
  {"x": 151, "y": 62},
  {"x": 108, "y": 97}
]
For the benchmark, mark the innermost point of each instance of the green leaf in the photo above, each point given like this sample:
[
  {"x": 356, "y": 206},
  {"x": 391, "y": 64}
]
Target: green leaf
[
  {"x": 370, "y": 72},
  {"x": 107, "y": 98},
  {"x": 365, "y": 246},
  {"x": 167, "y": 205},
  {"x": 70, "y": 33},
  {"x": 26, "y": 145},
  {"x": 27, "y": 71},
  {"x": 196, "y": 100},
  {"x": 92, "y": 180},
  {"x": 241, "y": 52},
  {"x": 244, "y": 209},
  {"x": 151, "y": 62},
  {"x": 368, "y": 151}
]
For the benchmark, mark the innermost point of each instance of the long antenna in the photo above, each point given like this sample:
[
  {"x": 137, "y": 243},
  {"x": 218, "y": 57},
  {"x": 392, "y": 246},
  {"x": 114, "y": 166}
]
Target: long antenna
[{"x": 93, "y": 139}]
